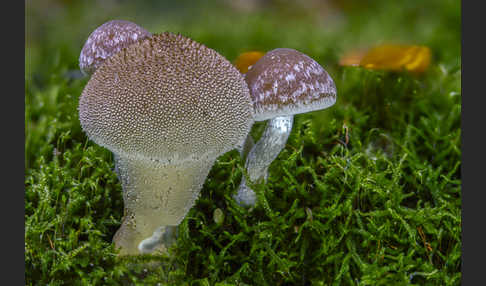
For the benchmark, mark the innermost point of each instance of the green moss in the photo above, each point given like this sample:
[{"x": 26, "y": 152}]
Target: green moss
[{"x": 366, "y": 192}]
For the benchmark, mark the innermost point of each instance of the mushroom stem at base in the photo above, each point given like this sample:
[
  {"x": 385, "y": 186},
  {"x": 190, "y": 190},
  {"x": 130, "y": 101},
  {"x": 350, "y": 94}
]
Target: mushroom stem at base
[
  {"x": 262, "y": 155},
  {"x": 157, "y": 197}
]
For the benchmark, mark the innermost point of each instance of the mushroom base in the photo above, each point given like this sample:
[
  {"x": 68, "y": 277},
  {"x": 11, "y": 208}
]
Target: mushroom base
[
  {"x": 156, "y": 199},
  {"x": 262, "y": 155}
]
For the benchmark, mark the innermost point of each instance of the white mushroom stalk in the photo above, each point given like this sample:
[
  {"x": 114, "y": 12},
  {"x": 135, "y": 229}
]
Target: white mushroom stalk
[
  {"x": 262, "y": 154},
  {"x": 282, "y": 83},
  {"x": 167, "y": 107},
  {"x": 156, "y": 197}
]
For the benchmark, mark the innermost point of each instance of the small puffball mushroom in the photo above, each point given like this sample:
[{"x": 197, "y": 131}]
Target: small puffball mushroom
[
  {"x": 282, "y": 83},
  {"x": 167, "y": 107},
  {"x": 107, "y": 40}
]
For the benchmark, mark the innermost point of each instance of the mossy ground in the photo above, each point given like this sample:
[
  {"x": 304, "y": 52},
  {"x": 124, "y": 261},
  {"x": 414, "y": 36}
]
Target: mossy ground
[{"x": 367, "y": 192}]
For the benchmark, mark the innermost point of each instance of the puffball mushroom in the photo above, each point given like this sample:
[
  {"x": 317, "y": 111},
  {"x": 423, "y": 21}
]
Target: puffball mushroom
[
  {"x": 167, "y": 107},
  {"x": 107, "y": 40},
  {"x": 282, "y": 83}
]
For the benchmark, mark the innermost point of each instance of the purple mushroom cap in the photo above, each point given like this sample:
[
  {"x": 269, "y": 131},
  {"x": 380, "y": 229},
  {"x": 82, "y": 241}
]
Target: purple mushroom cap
[
  {"x": 107, "y": 40},
  {"x": 286, "y": 82}
]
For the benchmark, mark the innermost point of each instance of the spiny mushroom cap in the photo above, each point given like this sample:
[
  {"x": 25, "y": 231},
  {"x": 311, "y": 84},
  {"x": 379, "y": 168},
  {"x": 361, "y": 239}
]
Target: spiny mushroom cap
[
  {"x": 167, "y": 98},
  {"x": 287, "y": 82},
  {"x": 107, "y": 40}
]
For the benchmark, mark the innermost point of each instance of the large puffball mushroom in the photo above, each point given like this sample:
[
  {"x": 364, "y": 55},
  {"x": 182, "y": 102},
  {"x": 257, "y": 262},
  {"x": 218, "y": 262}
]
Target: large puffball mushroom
[
  {"x": 167, "y": 107},
  {"x": 282, "y": 83},
  {"x": 107, "y": 40}
]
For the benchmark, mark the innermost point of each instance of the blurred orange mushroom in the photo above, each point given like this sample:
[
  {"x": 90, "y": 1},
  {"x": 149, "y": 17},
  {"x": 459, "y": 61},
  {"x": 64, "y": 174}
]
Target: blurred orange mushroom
[
  {"x": 247, "y": 59},
  {"x": 390, "y": 57}
]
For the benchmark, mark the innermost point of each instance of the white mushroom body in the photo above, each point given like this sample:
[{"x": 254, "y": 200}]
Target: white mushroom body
[
  {"x": 282, "y": 83},
  {"x": 167, "y": 107}
]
